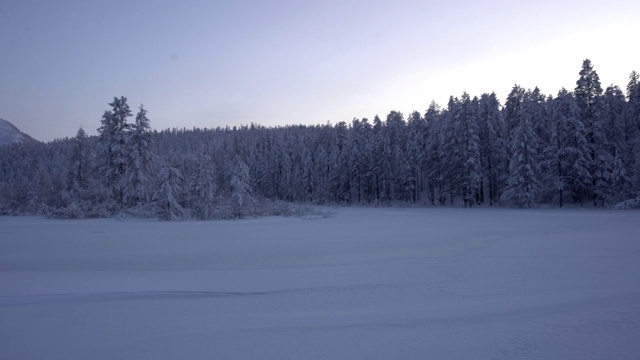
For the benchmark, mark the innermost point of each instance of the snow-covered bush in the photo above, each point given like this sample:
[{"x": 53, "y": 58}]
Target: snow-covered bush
[{"x": 630, "y": 204}]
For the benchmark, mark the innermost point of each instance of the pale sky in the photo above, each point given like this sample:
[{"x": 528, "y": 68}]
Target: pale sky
[{"x": 213, "y": 63}]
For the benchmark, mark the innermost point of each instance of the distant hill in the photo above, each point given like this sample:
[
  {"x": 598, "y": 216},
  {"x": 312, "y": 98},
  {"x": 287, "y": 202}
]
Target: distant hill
[{"x": 9, "y": 134}]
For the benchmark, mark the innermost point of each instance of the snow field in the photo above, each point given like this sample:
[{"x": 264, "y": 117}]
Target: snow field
[{"x": 364, "y": 283}]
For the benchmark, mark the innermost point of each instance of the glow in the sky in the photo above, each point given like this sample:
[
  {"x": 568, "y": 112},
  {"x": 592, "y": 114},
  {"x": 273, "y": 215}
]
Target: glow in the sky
[{"x": 208, "y": 64}]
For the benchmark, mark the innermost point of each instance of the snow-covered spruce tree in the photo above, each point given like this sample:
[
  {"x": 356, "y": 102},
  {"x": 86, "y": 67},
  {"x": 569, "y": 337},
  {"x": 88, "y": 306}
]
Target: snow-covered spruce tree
[
  {"x": 170, "y": 186},
  {"x": 588, "y": 95},
  {"x": 285, "y": 173},
  {"x": 265, "y": 164},
  {"x": 355, "y": 155},
  {"x": 204, "y": 188},
  {"x": 75, "y": 197},
  {"x": 112, "y": 158},
  {"x": 377, "y": 160},
  {"x": 452, "y": 149},
  {"x": 513, "y": 111},
  {"x": 397, "y": 168},
  {"x": 304, "y": 176},
  {"x": 140, "y": 166},
  {"x": 334, "y": 174},
  {"x": 538, "y": 110},
  {"x": 242, "y": 203},
  {"x": 343, "y": 190},
  {"x": 522, "y": 184},
  {"x": 492, "y": 146},
  {"x": 568, "y": 156},
  {"x": 534, "y": 106},
  {"x": 472, "y": 175},
  {"x": 368, "y": 174},
  {"x": 632, "y": 120},
  {"x": 318, "y": 174},
  {"x": 79, "y": 166},
  {"x": 615, "y": 127},
  {"x": 434, "y": 159},
  {"x": 416, "y": 149}
]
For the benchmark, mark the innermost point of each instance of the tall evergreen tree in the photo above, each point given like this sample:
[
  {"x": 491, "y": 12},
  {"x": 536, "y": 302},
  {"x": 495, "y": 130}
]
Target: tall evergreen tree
[
  {"x": 139, "y": 177},
  {"x": 416, "y": 149},
  {"x": 79, "y": 167},
  {"x": 242, "y": 201},
  {"x": 615, "y": 128},
  {"x": 168, "y": 194},
  {"x": 513, "y": 111},
  {"x": 492, "y": 145},
  {"x": 434, "y": 161},
  {"x": 453, "y": 151},
  {"x": 356, "y": 158},
  {"x": 112, "y": 158},
  {"x": 204, "y": 188},
  {"x": 472, "y": 175},
  {"x": 378, "y": 160},
  {"x": 588, "y": 95},
  {"x": 568, "y": 157},
  {"x": 632, "y": 120},
  {"x": 523, "y": 184}
]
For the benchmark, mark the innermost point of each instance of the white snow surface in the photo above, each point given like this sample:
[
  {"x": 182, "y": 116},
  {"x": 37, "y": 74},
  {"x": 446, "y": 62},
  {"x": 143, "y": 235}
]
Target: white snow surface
[{"x": 362, "y": 284}]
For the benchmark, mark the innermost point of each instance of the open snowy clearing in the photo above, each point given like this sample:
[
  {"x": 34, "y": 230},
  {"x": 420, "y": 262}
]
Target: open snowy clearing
[{"x": 363, "y": 283}]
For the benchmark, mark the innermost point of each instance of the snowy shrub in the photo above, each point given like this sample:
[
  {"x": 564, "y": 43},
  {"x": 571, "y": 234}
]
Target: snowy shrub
[
  {"x": 71, "y": 211},
  {"x": 140, "y": 211},
  {"x": 630, "y": 204}
]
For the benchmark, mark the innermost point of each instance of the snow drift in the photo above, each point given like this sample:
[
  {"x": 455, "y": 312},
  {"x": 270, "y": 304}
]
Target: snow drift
[{"x": 364, "y": 283}]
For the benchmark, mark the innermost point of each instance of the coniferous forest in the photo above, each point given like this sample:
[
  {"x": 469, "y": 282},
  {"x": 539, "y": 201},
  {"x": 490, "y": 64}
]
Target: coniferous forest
[{"x": 580, "y": 147}]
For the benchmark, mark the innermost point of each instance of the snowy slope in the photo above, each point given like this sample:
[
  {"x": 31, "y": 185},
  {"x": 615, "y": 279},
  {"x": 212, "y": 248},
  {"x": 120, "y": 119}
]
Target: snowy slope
[
  {"x": 10, "y": 134},
  {"x": 365, "y": 283}
]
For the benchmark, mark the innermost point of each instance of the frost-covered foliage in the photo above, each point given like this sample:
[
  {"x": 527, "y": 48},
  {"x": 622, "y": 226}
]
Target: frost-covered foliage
[
  {"x": 170, "y": 186},
  {"x": 629, "y": 204},
  {"x": 523, "y": 185},
  {"x": 204, "y": 188},
  {"x": 112, "y": 157},
  {"x": 241, "y": 201},
  {"x": 578, "y": 147},
  {"x": 139, "y": 172}
]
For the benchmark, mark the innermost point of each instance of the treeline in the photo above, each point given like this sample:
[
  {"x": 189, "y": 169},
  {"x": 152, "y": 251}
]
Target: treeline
[{"x": 578, "y": 147}]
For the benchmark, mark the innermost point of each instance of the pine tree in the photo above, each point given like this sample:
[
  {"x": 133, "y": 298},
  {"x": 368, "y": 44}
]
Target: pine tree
[
  {"x": 472, "y": 175},
  {"x": 614, "y": 128},
  {"x": 452, "y": 151},
  {"x": 632, "y": 85},
  {"x": 79, "y": 167},
  {"x": 285, "y": 173},
  {"x": 356, "y": 157},
  {"x": 523, "y": 185},
  {"x": 492, "y": 144},
  {"x": 378, "y": 161},
  {"x": 632, "y": 120},
  {"x": 242, "y": 201},
  {"x": 306, "y": 179},
  {"x": 139, "y": 177},
  {"x": 368, "y": 172},
  {"x": 112, "y": 159},
  {"x": 434, "y": 161},
  {"x": 513, "y": 111},
  {"x": 417, "y": 133},
  {"x": 588, "y": 95},
  {"x": 568, "y": 157},
  {"x": 398, "y": 168},
  {"x": 170, "y": 188},
  {"x": 537, "y": 110},
  {"x": 204, "y": 188}
]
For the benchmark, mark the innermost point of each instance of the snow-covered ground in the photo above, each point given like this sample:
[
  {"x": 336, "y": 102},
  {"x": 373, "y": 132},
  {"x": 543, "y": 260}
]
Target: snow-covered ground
[{"x": 361, "y": 284}]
